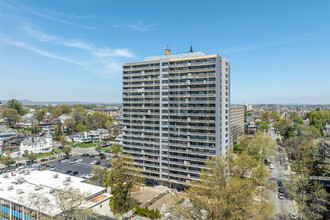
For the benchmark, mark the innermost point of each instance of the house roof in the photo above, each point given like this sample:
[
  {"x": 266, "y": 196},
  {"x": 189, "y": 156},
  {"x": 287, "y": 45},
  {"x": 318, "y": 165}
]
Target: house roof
[{"x": 28, "y": 140}]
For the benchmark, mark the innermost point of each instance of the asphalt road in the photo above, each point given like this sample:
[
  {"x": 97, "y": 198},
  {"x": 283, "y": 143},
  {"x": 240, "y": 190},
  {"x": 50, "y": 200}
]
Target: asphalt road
[{"x": 282, "y": 206}]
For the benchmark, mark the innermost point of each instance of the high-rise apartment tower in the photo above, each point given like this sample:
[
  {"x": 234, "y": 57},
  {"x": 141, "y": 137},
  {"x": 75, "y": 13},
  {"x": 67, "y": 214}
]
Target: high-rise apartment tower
[{"x": 176, "y": 111}]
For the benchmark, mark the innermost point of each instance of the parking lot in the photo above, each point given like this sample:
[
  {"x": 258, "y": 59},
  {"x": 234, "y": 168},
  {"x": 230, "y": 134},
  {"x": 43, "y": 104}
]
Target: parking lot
[{"x": 83, "y": 167}]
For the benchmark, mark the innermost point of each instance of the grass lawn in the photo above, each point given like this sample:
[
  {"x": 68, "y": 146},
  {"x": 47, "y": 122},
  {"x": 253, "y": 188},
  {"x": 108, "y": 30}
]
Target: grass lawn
[
  {"x": 47, "y": 154},
  {"x": 106, "y": 148},
  {"x": 86, "y": 145}
]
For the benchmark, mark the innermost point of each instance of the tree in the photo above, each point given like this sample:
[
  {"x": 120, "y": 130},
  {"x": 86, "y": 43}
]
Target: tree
[
  {"x": 311, "y": 197},
  {"x": 7, "y": 160},
  {"x": 31, "y": 156},
  {"x": 10, "y": 115},
  {"x": 220, "y": 195},
  {"x": 99, "y": 176},
  {"x": 121, "y": 178},
  {"x": 70, "y": 123},
  {"x": 39, "y": 115},
  {"x": 58, "y": 131},
  {"x": 13, "y": 103},
  {"x": 81, "y": 127},
  {"x": 98, "y": 147},
  {"x": 56, "y": 113},
  {"x": 298, "y": 120},
  {"x": 69, "y": 200},
  {"x": 79, "y": 114},
  {"x": 98, "y": 120},
  {"x": 65, "y": 109},
  {"x": 116, "y": 148},
  {"x": 308, "y": 131},
  {"x": 67, "y": 150},
  {"x": 263, "y": 126},
  {"x": 282, "y": 123}
]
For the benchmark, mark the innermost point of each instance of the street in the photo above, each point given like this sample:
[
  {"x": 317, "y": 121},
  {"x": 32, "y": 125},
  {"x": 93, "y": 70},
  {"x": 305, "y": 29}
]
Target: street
[{"x": 281, "y": 206}]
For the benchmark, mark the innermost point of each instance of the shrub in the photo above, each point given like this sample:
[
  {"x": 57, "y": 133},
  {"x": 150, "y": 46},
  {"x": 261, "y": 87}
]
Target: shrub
[
  {"x": 153, "y": 214},
  {"x": 112, "y": 203}
]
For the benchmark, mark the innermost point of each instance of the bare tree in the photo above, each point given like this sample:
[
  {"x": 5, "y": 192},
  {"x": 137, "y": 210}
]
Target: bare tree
[{"x": 69, "y": 201}]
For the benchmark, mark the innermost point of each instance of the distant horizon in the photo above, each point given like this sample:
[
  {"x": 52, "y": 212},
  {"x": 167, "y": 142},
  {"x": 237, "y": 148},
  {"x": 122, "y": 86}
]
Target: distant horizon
[{"x": 87, "y": 102}]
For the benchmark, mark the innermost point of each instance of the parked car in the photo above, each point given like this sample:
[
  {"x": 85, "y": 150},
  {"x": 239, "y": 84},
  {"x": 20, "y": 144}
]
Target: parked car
[
  {"x": 279, "y": 183},
  {"x": 280, "y": 190},
  {"x": 85, "y": 155},
  {"x": 108, "y": 165},
  {"x": 52, "y": 168},
  {"x": 293, "y": 215},
  {"x": 74, "y": 173},
  {"x": 52, "y": 158},
  {"x": 91, "y": 156},
  {"x": 79, "y": 160},
  {"x": 73, "y": 160},
  {"x": 271, "y": 166},
  {"x": 64, "y": 160},
  {"x": 266, "y": 160},
  {"x": 281, "y": 196},
  {"x": 95, "y": 162},
  {"x": 73, "y": 146},
  {"x": 43, "y": 160},
  {"x": 68, "y": 172}
]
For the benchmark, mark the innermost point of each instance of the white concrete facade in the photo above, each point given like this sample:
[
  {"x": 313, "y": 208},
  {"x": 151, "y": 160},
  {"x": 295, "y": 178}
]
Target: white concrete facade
[{"x": 176, "y": 111}]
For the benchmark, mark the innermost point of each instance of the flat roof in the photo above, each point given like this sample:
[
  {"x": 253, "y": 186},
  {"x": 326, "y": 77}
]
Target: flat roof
[{"x": 46, "y": 179}]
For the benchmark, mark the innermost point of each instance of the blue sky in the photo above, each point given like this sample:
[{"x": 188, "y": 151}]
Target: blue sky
[{"x": 66, "y": 50}]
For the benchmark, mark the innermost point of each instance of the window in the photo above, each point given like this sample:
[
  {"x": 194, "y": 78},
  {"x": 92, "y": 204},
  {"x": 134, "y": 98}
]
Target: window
[
  {"x": 165, "y": 69},
  {"x": 164, "y": 93},
  {"x": 164, "y": 81},
  {"x": 165, "y": 75},
  {"x": 165, "y": 64},
  {"x": 164, "y": 87}
]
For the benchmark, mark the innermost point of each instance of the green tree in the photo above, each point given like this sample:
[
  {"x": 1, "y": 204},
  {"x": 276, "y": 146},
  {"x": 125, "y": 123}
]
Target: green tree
[
  {"x": 65, "y": 109},
  {"x": 308, "y": 131},
  {"x": 98, "y": 147},
  {"x": 10, "y": 115},
  {"x": 13, "y": 103},
  {"x": 98, "y": 120},
  {"x": 67, "y": 150},
  {"x": 81, "y": 127},
  {"x": 298, "y": 120},
  {"x": 282, "y": 123},
  {"x": 56, "y": 113},
  {"x": 121, "y": 178},
  {"x": 7, "y": 160},
  {"x": 220, "y": 195},
  {"x": 39, "y": 115},
  {"x": 70, "y": 123},
  {"x": 116, "y": 148},
  {"x": 263, "y": 126},
  {"x": 79, "y": 114},
  {"x": 310, "y": 196},
  {"x": 31, "y": 156}
]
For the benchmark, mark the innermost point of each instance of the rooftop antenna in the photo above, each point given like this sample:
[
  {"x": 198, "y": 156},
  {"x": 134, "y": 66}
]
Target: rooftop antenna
[{"x": 191, "y": 50}]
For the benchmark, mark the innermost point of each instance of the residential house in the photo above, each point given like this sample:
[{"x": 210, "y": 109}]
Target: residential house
[
  {"x": 34, "y": 144},
  {"x": 15, "y": 139},
  {"x": 63, "y": 117},
  {"x": 6, "y": 132},
  {"x": 104, "y": 134},
  {"x": 94, "y": 135}
]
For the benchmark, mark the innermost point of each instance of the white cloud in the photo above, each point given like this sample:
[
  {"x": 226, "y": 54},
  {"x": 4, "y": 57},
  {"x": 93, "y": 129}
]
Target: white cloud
[
  {"x": 137, "y": 26},
  {"x": 23, "y": 45}
]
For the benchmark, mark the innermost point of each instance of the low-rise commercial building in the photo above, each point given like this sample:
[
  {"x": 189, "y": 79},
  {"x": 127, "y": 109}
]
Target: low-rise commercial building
[
  {"x": 108, "y": 111},
  {"x": 19, "y": 193}
]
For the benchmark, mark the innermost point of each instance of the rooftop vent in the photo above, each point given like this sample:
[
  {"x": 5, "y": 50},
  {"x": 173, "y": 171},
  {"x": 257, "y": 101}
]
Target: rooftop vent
[
  {"x": 39, "y": 187},
  {"x": 32, "y": 195},
  {"x": 19, "y": 191},
  {"x": 65, "y": 183},
  {"x": 51, "y": 190},
  {"x": 68, "y": 179},
  {"x": 5, "y": 175},
  {"x": 55, "y": 176},
  {"x": 11, "y": 187}
]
